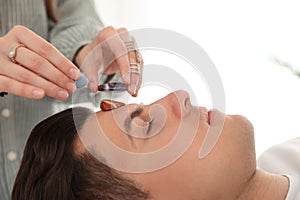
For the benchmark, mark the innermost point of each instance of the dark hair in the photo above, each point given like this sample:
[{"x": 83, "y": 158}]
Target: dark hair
[{"x": 52, "y": 170}]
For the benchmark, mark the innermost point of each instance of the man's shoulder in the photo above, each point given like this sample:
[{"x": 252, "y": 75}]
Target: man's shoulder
[{"x": 282, "y": 158}]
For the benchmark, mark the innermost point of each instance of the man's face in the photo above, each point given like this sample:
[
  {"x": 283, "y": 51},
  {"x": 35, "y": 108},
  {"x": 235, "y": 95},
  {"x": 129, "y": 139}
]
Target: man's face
[{"x": 138, "y": 129}]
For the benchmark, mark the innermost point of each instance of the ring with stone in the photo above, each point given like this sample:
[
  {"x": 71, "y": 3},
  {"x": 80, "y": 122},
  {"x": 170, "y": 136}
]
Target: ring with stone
[{"x": 13, "y": 52}]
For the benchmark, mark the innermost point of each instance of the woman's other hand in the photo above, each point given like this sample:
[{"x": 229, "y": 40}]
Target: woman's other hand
[
  {"x": 35, "y": 68},
  {"x": 108, "y": 54}
]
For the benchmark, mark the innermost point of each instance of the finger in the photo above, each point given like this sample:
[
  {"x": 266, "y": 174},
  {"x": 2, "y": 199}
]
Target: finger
[
  {"x": 44, "y": 68},
  {"x": 112, "y": 68},
  {"x": 21, "y": 74},
  {"x": 125, "y": 36},
  {"x": 118, "y": 48},
  {"x": 135, "y": 62},
  {"x": 21, "y": 89},
  {"x": 46, "y": 50},
  {"x": 135, "y": 79},
  {"x": 93, "y": 85},
  {"x": 90, "y": 68}
]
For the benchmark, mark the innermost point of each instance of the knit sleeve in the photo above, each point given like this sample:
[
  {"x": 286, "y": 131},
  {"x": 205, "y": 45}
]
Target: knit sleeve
[{"x": 78, "y": 24}]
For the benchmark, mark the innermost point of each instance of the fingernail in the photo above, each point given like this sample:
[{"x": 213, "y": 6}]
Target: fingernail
[
  {"x": 107, "y": 105},
  {"x": 74, "y": 73},
  {"x": 38, "y": 93},
  {"x": 135, "y": 93},
  {"x": 133, "y": 87},
  {"x": 62, "y": 94},
  {"x": 71, "y": 87}
]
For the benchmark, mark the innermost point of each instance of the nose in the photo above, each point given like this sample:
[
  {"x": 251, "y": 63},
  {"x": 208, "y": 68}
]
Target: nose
[{"x": 178, "y": 102}]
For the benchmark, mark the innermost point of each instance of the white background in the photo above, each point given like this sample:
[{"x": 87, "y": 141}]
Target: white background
[{"x": 241, "y": 37}]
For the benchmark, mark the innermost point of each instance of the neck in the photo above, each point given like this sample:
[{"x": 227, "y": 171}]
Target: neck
[{"x": 264, "y": 185}]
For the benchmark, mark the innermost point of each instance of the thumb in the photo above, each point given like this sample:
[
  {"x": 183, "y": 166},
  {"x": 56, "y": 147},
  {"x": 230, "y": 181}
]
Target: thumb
[
  {"x": 91, "y": 68},
  {"x": 92, "y": 81}
]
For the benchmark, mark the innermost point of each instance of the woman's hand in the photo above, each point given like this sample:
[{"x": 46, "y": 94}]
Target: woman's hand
[
  {"x": 107, "y": 54},
  {"x": 36, "y": 69}
]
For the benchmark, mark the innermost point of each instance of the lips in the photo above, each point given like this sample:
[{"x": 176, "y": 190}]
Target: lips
[
  {"x": 209, "y": 116},
  {"x": 204, "y": 114}
]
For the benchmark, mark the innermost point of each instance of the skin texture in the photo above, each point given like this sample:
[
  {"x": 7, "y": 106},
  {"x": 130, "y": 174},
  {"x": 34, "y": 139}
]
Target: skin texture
[
  {"x": 53, "y": 168},
  {"x": 65, "y": 151},
  {"x": 40, "y": 69},
  {"x": 224, "y": 174},
  {"x": 108, "y": 54}
]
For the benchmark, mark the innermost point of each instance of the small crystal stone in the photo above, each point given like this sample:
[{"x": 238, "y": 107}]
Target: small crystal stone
[
  {"x": 107, "y": 105},
  {"x": 114, "y": 86}
]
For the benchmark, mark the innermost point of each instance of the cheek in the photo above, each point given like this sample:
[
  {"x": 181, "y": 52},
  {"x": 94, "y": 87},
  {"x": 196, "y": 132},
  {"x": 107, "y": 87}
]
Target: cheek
[
  {"x": 240, "y": 136},
  {"x": 233, "y": 158},
  {"x": 160, "y": 139},
  {"x": 181, "y": 180},
  {"x": 237, "y": 138},
  {"x": 107, "y": 126},
  {"x": 186, "y": 177}
]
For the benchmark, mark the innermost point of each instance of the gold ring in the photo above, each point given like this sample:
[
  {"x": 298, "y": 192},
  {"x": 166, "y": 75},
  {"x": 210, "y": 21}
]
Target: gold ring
[
  {"x": 13, "y": 52},
  {"x": 138, "y": 63},
  {"x": 135, "y": 68},
  {"x": 134, "y": 65}
]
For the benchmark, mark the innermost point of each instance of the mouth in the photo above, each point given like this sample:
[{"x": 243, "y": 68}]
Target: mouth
[
  {"x": 209, "y": 116},
  {"x": 205, "y": 114}
]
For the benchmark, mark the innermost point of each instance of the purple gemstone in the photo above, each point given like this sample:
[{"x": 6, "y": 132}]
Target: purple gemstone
[{"x": 114, "y": 86}]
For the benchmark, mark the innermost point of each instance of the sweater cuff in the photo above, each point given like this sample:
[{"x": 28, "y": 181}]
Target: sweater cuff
[{"x": 76, "y": 47}]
